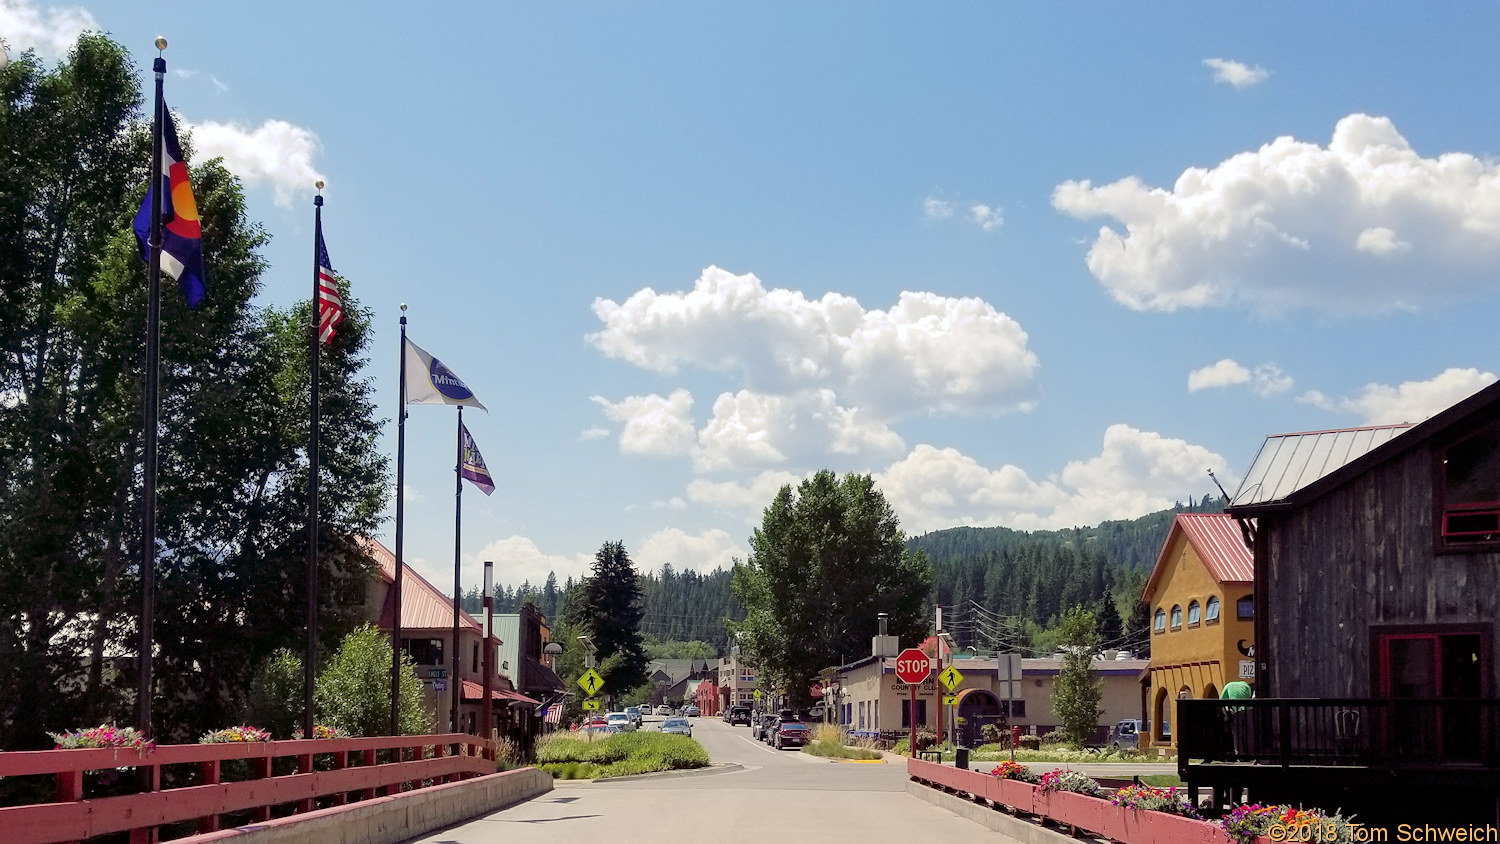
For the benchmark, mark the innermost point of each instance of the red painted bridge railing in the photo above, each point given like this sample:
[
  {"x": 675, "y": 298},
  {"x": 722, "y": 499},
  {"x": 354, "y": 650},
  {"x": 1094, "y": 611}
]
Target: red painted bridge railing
[{"x": 249, "y": 781}]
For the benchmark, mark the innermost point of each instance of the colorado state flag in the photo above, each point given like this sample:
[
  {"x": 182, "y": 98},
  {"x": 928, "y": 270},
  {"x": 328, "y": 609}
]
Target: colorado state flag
[{"x": 182, "y": 236}]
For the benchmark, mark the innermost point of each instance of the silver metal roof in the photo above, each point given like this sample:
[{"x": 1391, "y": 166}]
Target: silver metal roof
[{"x": 1289, "y": 462}]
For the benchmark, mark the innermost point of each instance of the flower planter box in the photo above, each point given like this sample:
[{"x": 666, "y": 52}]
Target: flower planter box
[
  {"x": 1093, "y": 814},
  {"x": 1075, "y": 810},
  {"x": 1019, "y": 796},
  {"x": 1139, "y": 826}
]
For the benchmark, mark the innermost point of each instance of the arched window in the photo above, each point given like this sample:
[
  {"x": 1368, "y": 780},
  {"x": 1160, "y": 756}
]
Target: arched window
[
  {"x": 1159, "y": 624},
  {"x": 1176, "y": 618},
  {"x": 1211, "y": 611},
  {"x": 1244, "y": 608},
  {"x": 1193, "y": 613}
]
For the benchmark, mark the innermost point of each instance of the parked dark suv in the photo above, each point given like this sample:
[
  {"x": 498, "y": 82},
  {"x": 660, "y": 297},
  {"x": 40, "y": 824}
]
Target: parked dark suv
[{"x": 738, "y": 715}]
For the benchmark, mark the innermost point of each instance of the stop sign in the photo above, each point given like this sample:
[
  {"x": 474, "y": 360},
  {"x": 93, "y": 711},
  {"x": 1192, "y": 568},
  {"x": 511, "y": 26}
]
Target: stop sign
[{"x": 913, "y": 666}]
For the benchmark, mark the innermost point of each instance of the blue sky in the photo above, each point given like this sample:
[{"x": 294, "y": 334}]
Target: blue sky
[{"x": 1032, "y": 265}]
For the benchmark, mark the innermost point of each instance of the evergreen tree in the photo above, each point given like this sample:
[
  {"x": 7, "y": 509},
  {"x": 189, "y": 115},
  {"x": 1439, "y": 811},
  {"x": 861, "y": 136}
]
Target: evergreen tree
[
  {"x": 609, "y": 609},
  {"x": 1075, "y": 699},
  {"x": 1111, "y": 628}
]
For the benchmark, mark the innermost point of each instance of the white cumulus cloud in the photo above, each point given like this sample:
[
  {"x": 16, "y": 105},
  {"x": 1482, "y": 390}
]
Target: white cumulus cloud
[
  {"x": 750, "y": 430},
  {"x": 653, "y": 424},
  {"x": 1266, "y": 380},
  {"x": 1365, "y": 224},
  {"x": 52, "y": 31},
  {"x": 1135, "y": 472},
  {"x": 703, "y": 552},
  {"x": 985, "y": 217},
  {"x": 1225, "y": 373},
  {"x": 937, "y": 209},
  {"x": 746, "y": 500},
  {"x": 518, "y": 559},
  {"x": 1235, "y": 73},
  {"x": 1410, "y": 401},
  {"x": 276, "y": 153},
  {"x": 926, "y": 353}
]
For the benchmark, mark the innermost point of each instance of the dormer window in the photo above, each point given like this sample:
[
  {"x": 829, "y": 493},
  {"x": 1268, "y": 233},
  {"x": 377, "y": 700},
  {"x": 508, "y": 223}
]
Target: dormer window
[
  {"x": 1471, "y": 490},
  {"x": 1193, "y": 613},
  {"x": 1176, "y": 618}
]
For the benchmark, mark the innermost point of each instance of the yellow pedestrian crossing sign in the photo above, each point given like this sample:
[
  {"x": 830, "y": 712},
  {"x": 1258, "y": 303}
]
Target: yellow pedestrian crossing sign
[
  {"x": 950, "y": 678},
  {"x": 757, "y": 694},
  {"x": 591, "y": 682},
  {"x": 590, "y": 704}
]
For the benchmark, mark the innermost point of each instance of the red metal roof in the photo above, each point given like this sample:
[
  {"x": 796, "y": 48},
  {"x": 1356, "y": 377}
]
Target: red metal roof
[
  {"x": 423, "y": 607},
  {"x": 1219, "y": 543}
]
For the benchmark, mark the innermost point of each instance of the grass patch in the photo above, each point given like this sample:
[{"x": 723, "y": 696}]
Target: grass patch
[
  {"x": 1163, "y": 781},
  {"x": 570, "y": 757},
  {"x": 838, "y": 750}
]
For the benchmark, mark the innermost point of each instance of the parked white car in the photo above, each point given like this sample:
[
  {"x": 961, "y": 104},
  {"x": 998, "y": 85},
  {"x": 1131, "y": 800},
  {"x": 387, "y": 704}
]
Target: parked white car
[{"x": 621, "y": 720}]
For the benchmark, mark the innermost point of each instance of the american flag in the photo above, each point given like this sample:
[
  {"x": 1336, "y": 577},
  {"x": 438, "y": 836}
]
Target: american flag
[
  {"x": 554, "y": 714},
  {"x": 330, "y": 306}
]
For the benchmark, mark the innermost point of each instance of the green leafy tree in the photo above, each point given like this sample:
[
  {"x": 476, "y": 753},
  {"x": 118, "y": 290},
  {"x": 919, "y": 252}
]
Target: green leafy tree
[
  {"x": 275, "y": 699},
  {"x": 826, "y": 560},
  {"x": 1076, "y": 697},
  {"x": 608, "y": 611},
  {"x": 231, "y": 527},
  {"x": 353, "y": 691}
]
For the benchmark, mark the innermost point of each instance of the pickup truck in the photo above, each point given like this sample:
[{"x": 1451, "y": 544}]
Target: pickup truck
[{"x": 1126, "y": 735}]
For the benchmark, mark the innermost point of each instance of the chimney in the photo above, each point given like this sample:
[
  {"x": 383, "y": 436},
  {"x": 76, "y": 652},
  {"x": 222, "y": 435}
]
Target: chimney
[{"x": 882, "y": 644}]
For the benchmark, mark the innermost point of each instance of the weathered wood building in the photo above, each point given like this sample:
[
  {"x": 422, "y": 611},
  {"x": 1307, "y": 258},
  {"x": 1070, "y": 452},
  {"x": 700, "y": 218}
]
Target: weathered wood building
[{"x": 1377, "y": 587}]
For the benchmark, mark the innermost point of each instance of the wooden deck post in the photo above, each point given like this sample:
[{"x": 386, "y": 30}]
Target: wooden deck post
[{"x": 208, "y": 774}]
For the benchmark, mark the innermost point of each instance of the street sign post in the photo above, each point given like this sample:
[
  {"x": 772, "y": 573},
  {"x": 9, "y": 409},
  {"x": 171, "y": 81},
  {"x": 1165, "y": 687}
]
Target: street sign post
[{"x": 912, "y": 667}]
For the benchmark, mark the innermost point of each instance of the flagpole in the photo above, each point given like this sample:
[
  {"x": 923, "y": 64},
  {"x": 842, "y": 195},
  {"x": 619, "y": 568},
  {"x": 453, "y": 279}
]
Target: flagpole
[
  {"x": 151, "y": 409},
  {"x": 400, "y": 520},
  {"x": 458, "y": 511},
  {"x": 314, "y": 357}
]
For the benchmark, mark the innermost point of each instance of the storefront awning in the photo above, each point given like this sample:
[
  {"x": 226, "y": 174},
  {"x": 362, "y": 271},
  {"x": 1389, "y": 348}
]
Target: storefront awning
[{"x": 474, "y": 693}]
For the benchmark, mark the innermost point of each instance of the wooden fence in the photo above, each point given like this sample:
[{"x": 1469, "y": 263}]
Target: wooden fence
[{"x": 252, "y": 781}]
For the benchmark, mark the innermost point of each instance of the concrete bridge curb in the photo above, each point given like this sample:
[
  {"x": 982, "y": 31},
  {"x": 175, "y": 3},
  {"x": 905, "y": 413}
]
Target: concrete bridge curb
[
  {"x": 390, "y": 820},
  {"x": 1017, "y": 829}
]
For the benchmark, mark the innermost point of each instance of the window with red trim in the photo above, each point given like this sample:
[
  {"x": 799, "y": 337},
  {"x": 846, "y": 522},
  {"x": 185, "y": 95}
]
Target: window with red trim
[{"x": 1471, "y": 490}]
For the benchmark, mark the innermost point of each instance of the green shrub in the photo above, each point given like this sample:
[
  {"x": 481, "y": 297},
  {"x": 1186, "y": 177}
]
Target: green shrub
[{"x": 1031, "y": 742}]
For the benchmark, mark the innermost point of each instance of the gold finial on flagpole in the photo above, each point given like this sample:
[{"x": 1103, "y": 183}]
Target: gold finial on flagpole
[
  {"x": 319, "y": 185},
  {"x": 161, "y": 43},
  {"x": 403, "y": 307}
]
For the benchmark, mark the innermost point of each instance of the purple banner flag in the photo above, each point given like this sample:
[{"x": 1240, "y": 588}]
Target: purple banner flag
[{"x": 473, "y": 465}]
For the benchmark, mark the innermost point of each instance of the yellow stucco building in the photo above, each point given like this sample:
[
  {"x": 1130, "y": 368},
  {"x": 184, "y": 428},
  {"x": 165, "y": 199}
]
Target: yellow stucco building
[{"x": 1201, "y": 595}]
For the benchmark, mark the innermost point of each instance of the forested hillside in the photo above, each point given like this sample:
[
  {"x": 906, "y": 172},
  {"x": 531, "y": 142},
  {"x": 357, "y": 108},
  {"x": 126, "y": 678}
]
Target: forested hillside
[
  {"x": 1000, "y": 589},
  {"x": 1004, "y": 589},
  {"x": 679, "y": 606}
]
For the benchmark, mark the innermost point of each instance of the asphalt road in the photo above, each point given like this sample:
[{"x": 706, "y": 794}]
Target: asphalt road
[{"x": 752, "y": 790}]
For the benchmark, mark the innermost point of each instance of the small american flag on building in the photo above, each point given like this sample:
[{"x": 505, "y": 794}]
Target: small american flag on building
[
  {"x": 554, "y": 714},
  {"x": 330, "y": 306}
]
